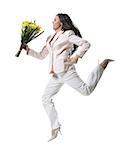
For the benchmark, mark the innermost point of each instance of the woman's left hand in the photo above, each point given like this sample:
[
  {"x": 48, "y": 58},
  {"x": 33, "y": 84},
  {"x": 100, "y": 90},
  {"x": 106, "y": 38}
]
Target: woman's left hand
[
  {"x": 70, "y": 61},
  {"x": 74, "y": 59}
]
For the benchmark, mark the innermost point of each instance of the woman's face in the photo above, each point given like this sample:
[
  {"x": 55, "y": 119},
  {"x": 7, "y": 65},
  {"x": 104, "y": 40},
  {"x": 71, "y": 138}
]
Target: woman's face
[{"x": 57, "y": 24}]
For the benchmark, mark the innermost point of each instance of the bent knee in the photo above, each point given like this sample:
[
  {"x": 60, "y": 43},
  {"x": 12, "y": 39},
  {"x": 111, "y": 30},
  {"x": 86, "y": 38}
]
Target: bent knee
[{"x": 86, "y": 92}]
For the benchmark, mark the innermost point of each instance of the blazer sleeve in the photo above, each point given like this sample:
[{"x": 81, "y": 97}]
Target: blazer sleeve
[
  {"x": 39, "y": 55},
  {"x": 82, "y": 44}
]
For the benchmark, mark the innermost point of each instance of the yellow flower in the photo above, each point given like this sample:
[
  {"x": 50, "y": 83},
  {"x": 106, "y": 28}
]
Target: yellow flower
[
  {"x": 25, "y": 24},
  {"x": 33, "y": 26},
  {"x": 40, "y": 29},
  {"x": 29, "y": 31}
]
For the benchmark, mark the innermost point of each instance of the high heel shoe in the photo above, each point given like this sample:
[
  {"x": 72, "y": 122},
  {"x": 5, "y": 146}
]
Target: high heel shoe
[
  {"x": 105, "y": 62},
  {"x": 54, "y": 134}
]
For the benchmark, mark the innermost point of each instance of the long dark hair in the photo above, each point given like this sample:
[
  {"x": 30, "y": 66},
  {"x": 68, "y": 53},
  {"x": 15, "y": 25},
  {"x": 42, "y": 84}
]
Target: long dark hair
[{"x": 68, "y": 25}]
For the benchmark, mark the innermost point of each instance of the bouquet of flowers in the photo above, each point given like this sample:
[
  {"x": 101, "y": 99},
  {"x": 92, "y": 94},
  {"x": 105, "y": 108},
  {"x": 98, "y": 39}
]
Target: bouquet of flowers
[{"x": 29, "y": 31}]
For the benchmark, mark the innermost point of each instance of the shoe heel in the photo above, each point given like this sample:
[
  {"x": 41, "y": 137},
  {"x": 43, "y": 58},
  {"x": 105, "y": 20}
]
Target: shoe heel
[{"x": 55, "y": 134}]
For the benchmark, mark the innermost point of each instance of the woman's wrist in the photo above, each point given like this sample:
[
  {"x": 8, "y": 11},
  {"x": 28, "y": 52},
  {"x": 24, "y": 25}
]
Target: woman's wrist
[{"x": 77, "y": 56}]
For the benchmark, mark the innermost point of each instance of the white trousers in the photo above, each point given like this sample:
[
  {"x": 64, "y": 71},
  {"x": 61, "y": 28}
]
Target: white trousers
[{"x": 72, "y": 79}]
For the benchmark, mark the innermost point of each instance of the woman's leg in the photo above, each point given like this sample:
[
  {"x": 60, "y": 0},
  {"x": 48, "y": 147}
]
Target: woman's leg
[
  {"x": 85, "y": 88},
  {"x": 51, "y": 89}
]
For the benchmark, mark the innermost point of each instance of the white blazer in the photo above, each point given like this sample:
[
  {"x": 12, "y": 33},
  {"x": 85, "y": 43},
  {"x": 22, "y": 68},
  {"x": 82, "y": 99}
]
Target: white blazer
[{"x": 59, "y": 49}]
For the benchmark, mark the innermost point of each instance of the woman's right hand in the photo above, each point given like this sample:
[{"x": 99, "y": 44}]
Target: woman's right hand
[{"x": 25, "y": 47}]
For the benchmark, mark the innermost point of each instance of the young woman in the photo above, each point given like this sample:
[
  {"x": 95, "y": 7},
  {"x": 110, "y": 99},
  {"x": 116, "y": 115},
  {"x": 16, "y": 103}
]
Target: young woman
[{"x": 65, "y": 47}]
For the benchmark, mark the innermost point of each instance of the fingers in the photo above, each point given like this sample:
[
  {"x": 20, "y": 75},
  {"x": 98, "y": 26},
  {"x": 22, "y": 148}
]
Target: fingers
[
  {"x": 70, "y": 61},
  {"x": 74, "y": 60},
  {"x": 68, "y": 64},
  {"x": 25, "y": 47},
  {"x": 67, "y": 60}
]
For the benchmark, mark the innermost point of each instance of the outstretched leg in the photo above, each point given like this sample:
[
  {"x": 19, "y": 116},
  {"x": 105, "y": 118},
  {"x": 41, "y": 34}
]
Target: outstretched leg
[
  {"x": 51, "y": 89},
  {"x": 85, "y": 88}
]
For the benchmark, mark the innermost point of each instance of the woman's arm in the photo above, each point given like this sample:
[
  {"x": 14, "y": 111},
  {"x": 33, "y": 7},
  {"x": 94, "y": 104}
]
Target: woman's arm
[
  {"x": 39, "y": 55},
  {"x": 82, "y": 44}
]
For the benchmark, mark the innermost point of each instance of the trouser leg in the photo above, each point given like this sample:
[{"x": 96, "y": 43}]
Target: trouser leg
[
  {"x": 51, "y": 89},
  {"x": 85, "y": 88}
]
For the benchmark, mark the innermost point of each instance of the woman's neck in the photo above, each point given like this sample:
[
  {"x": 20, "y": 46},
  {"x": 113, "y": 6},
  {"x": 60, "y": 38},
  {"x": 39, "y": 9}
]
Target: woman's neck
[{"x": 58, "y": 29}]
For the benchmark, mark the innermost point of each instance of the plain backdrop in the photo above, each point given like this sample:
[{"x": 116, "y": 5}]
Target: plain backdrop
[{"x": 88, "y": 122}]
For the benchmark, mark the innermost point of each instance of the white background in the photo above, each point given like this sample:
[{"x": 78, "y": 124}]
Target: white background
[{"x": 88, "y": 122}]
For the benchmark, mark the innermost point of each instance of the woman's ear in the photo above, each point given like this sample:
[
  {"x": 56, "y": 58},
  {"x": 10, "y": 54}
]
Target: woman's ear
[{"x": 61, "y": 24}]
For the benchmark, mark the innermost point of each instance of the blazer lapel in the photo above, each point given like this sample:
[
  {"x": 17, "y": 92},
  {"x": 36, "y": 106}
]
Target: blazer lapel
[{"x": 53, "y": 39}]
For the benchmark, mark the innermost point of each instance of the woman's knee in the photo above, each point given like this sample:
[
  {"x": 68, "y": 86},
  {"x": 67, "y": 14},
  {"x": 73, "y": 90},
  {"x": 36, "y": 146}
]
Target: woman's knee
[
  {"x": 86, "y": 91},
  {"x": 44, "y": 99}
]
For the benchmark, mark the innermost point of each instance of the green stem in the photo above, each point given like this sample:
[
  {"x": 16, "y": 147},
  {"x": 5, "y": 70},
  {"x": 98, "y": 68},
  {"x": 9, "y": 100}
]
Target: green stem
[{"x": 18, "y": 53}]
